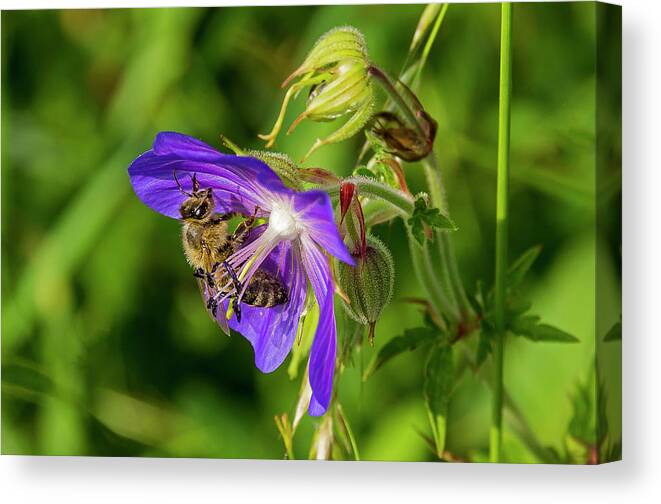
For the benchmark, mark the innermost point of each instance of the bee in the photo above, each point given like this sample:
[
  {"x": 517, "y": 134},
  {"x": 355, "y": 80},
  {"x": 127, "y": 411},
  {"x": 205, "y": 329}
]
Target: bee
[{"x": 208, "y": 244}]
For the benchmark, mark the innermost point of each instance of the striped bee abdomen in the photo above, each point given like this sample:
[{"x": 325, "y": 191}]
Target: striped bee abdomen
[{"x": 265, "y": 290}]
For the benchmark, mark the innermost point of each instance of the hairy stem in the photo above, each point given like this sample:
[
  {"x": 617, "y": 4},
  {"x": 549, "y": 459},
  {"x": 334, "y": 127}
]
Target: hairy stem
[
  {"x": 502, "y": 190},
  {"x": 455, "y": 286},
  {"x": 400, "y": 201},
  {"x": 445, "y": 301},
  {"x": 424, "y": 270}
]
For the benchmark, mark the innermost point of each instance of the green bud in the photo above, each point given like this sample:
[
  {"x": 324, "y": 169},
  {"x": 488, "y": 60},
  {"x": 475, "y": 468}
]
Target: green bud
[
  {"x": 369, "y": 285},
  {"x": 344, "y": 43},
  {"x": 427, "y": 18},
  {"x": 336, "y": 71},
  {"x": 279, "y": 162}
]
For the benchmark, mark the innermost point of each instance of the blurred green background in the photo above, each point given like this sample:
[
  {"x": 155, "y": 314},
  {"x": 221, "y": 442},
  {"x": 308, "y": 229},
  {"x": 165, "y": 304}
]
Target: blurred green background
[{"x": 106, "y": 347}]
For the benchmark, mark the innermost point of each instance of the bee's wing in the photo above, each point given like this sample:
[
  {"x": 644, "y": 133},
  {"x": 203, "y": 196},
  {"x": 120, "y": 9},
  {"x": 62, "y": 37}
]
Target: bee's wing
[{"x": 220, "y": 316}]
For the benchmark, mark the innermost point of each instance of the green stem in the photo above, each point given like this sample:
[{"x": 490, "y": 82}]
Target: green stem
[
  {"x": 502, "y": 190},
  {"x": 450, "y": 298},
  {"x": 435, "y": 183},
  {"x": 349, "y": 432},
  {"x": 424, "y": 270},
  {"x": 455, "y": 290},
  {"x": 442, "y": 243},
  {"x": 430, "y": 42},
  {"x": 400, "y": 201},
  {"x": 282, "y": 423},
  {"x": 454, "y": 284}
]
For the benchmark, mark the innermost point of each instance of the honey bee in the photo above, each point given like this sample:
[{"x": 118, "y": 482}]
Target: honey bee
[{"x": 208, "y": 244}]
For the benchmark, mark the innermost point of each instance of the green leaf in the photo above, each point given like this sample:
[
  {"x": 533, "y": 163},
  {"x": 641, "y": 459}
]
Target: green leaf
[
  {"x": 26, "y": 376},
  {"x": 529, "y": 327},
  {"x": 362, "y": 171},
  {"x": 410, "y": 340},
  {"x": 521, "y": 266},
  {"x": 517, "y": 306},
  {"x": 439, "y": 374},
  {"x": 615, "y": 333},
  {"x": 432, "y": 217}
]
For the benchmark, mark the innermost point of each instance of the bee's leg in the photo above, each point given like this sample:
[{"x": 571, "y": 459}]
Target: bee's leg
[
  {"x": 212, "y": 306},
  {"x": 210, "y": 276},
  {"x": 224, "y": 217},
  {"x": 199, "y": 273},
  {"x": 237, "y": 307},
  {"x": 251, "y": 220},
  {"x": 242, "y": 232},
  {"x": 238, "y": 287}
]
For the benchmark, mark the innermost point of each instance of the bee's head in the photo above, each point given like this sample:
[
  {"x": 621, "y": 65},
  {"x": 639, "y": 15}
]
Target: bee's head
[{"x": 199, "y": 205}]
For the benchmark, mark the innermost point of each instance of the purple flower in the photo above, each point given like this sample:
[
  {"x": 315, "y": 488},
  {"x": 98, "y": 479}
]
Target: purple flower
[{"x": 299, "y": 231}]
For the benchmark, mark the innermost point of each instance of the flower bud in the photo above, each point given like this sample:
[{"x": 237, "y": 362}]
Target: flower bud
[
  {"x": 352, "y": 220},
  {"x": 336, "y": 71},
  {"x": 318, "y": 176},
  {"x": 424, "y": 24},
  {"x": 369, "y": 285},
  {"x": 279, "y": 162},
  {"x": 347, "y": 192},
  {"x": 388, "y": 133}
]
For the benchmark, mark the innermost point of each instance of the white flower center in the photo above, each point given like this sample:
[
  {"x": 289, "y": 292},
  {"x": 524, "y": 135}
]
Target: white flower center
[{"x": 283, "y": 222}]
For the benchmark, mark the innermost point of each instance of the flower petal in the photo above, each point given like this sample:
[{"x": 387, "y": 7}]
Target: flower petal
[
  {"x": 322, "y": 353},
  {"x": 239, "y": 183},
  {"x": 272, "y": 331},
  {"x": 184, "y": 146},
  {"x": 322, "y": 358},
  {"x": 315, "y": 210}
]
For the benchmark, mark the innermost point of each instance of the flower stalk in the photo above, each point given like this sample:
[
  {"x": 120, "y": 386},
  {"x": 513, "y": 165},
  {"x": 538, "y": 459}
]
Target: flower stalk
[
  {"x": 452, "y": 300},
  {"x": 440, "y": 16},
  {"x": 403, "y": 203},
  {"x": 502, "y": 193}
]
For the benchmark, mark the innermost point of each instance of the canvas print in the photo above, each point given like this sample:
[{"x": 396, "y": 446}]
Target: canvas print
[{"x": 342, "y": 232}]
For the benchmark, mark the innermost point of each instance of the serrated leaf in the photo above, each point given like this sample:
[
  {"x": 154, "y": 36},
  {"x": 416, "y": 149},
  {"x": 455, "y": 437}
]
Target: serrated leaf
[
  {"x": 432, "y": 217},
  {"x": 517, "y": 271},
  {"x": 417, "y": 230},
  {"x": 529, "y": 327},
  {"x": 614, "y": 333},
  {"x": 410, "y": 340},
  {"x": 439, "y": 374}
]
